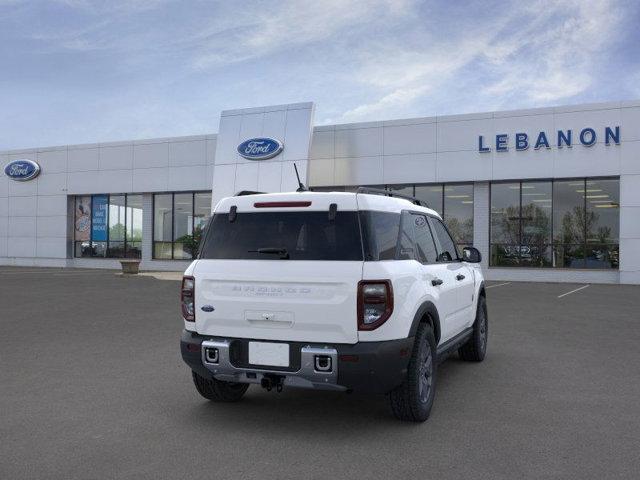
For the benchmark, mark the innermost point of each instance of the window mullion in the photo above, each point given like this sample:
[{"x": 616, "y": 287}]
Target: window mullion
[
  {"x": 193, "y": 219},
  {"x": 520, "y": 226},
  {"x": 108, "y": 215},
  {"x": 584, "y": 240},
  {"x": 173, "y": 224},
  {"x": 125, "y": 225},
  {"x": 553, "y": 251},
  {"x": 91, "y": 226}
]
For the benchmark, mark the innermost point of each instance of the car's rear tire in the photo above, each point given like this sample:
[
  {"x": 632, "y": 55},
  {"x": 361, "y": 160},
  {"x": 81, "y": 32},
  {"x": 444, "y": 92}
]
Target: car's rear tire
[
  {"x": 476, "y": 347},
  {"x": 218, "y": 391},
  {"x": 412, "y": 401}
]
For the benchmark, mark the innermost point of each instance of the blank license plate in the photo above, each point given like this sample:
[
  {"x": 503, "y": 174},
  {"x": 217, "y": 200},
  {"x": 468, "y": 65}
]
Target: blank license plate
[{"x": 270, "y": 354}]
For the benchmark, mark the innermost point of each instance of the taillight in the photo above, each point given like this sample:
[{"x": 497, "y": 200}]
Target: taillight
[
  {"x": 187, "y": 298},
  {"x": 375, "y": 303}
]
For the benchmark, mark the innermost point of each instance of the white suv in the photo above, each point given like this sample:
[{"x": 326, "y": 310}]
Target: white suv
[{"x": 357, "y": 291}]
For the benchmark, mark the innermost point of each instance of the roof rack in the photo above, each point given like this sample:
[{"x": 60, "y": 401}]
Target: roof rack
[
  {"x": 244, "y": 193},
  {"x": 389, "y": 193}
]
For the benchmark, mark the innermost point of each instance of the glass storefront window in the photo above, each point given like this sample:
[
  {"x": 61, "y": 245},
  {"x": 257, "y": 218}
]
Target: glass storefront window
[
  {"x": 117, "y": 219},
  {"x": 108, "y": 226},
  {"x": 183, "y": 226},
  {"x": 162, "y": 225},
  {"x": 134, "y": 226},
  {"x": 179, "y": 219},
  {"x": 569, "y": 223},
  {"x": 458, "y": 213},
  {"x": 564, "y": 224},
  {"x": 603, "y": 223},
  {"x": 505, "y": 224},
  {"x": 82, "y": 226},
  {"x": 201, "y": 213},
  {"x": 535, "y": 229},
  {"x": 401, "y": 189},
  {"x": 431, "y": 195}
]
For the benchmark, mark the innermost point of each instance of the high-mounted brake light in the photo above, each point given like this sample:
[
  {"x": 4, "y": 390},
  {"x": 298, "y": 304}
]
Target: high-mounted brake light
[
  {"x": 187, "y": 298},
  {"x": 281, "y": 204},
  {"x": 375, "y": 303}
]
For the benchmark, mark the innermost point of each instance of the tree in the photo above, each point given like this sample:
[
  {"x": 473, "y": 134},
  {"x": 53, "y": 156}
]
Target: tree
[
  {"x": 191, "y": 243},
  {"x": 116, "y": 232}
]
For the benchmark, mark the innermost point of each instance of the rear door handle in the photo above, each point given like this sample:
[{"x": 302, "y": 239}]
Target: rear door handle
[
  {"x": 436, "y": 281},
  {"x": 459, "y": 277}
]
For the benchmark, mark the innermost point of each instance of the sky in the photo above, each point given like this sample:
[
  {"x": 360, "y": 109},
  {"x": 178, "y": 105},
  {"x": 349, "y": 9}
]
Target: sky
[{"x": 80, "y": 71}]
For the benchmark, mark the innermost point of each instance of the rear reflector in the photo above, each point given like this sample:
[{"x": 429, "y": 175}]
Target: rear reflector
[
  {"x": 349, "y": 358},
  {"x": 280, "y": 204}
]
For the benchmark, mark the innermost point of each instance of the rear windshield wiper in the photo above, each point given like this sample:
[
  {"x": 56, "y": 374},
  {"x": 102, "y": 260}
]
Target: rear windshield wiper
[{"x": 284, "y": 255}]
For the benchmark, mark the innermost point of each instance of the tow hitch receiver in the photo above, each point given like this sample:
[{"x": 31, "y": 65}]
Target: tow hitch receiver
[
  {"x": 270, "y": 381},
  {"x": 322, "y": 363}
]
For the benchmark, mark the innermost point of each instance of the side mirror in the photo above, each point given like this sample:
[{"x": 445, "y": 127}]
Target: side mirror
[{"x": 471, "y": 255}]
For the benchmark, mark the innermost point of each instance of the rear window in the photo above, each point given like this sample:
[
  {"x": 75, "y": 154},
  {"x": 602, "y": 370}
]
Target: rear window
[{"x": 302, "y": 235}]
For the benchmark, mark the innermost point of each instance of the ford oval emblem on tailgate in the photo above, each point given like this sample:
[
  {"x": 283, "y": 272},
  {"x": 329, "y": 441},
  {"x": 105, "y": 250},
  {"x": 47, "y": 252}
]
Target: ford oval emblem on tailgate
[{"x": 207, "y": 308}]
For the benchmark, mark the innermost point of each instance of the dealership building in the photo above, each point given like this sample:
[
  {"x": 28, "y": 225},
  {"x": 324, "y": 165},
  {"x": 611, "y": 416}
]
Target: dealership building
[{"x": 548, "y": 194}]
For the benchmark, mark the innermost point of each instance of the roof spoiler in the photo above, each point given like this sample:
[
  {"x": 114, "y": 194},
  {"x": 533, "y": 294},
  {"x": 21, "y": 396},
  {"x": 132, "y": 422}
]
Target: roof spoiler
[{"x": 244, "y": 193}]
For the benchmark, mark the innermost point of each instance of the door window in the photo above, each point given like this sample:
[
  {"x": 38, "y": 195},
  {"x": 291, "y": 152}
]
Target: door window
[{"x": 447, "y": 252}]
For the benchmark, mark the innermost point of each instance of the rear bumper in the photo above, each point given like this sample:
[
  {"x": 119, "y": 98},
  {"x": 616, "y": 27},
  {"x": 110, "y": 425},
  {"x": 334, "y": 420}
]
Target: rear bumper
[{"x": 371, "y": 367}]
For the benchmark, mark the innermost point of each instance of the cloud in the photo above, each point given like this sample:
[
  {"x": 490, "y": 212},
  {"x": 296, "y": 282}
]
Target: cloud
[
  {"x": 288, "y": 24},
  {"x": 404, "y": 77},
  {"x": 397, "y": 98},
  {"x": 555, "y": 63},
  {"x": 121, "y": 69},
  {"x": 542, "y": 53}
]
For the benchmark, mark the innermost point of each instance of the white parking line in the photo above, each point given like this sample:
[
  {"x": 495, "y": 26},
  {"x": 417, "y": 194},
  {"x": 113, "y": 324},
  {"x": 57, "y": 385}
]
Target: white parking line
[
  {"x": 573, "y": 291},
  {"x": 498, "y": 285},
  {"x": 69, "y": 274},
  {"x": 56, "y": 273}
]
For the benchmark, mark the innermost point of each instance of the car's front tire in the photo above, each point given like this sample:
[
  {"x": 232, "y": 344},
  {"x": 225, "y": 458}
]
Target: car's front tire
[
  {"x": 218, "y": 391},
  {"x": 412, "y": 401},
  {"x": 476, "y": 347}
]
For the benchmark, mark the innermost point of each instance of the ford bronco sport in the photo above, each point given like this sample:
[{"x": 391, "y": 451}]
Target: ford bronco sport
[{"x": 343, "y": 291}]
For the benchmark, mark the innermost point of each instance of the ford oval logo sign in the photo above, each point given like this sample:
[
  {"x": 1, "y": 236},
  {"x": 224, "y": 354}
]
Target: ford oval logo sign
[
  {"x": 22, "y": 170},
  {"x": 260, "y": 148}
]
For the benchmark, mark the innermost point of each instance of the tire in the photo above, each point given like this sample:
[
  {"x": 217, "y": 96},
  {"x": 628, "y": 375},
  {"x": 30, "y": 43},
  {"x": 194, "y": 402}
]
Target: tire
[
  {"x": 476, "y": 347},
  {"x": 412, "y": 401},
  {"x": 218, "y": 391}
]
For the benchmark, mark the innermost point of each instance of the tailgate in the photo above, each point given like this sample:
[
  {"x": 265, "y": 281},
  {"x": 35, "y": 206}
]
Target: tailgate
[{"x": 306, "y": 301}]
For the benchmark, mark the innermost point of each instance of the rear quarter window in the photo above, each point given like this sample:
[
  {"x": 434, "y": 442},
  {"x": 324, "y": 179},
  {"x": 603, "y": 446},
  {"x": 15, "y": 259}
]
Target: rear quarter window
[
  {"x": 304, "y": 236},
  {"x": 380, "y": 235}
]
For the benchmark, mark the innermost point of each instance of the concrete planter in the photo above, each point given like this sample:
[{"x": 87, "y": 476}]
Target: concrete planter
[{"x": 130, "y": 266}]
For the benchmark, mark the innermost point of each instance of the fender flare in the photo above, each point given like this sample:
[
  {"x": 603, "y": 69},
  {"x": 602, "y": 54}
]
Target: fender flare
[
  {"x": 427, "y": 308},
  {"x": 481, "y": 290}
]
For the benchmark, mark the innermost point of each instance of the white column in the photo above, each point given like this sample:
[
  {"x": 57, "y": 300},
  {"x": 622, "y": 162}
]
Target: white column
[
  {"x": 147, "y": 227},
  {"x": 481, "y": 209},
  {"x": 291, "y": 124},
  {"x": 630, "y": 229}
]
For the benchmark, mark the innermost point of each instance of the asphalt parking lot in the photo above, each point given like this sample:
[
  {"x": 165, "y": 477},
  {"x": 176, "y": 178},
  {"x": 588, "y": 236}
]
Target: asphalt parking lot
[{"x": 92, "y": 386}]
